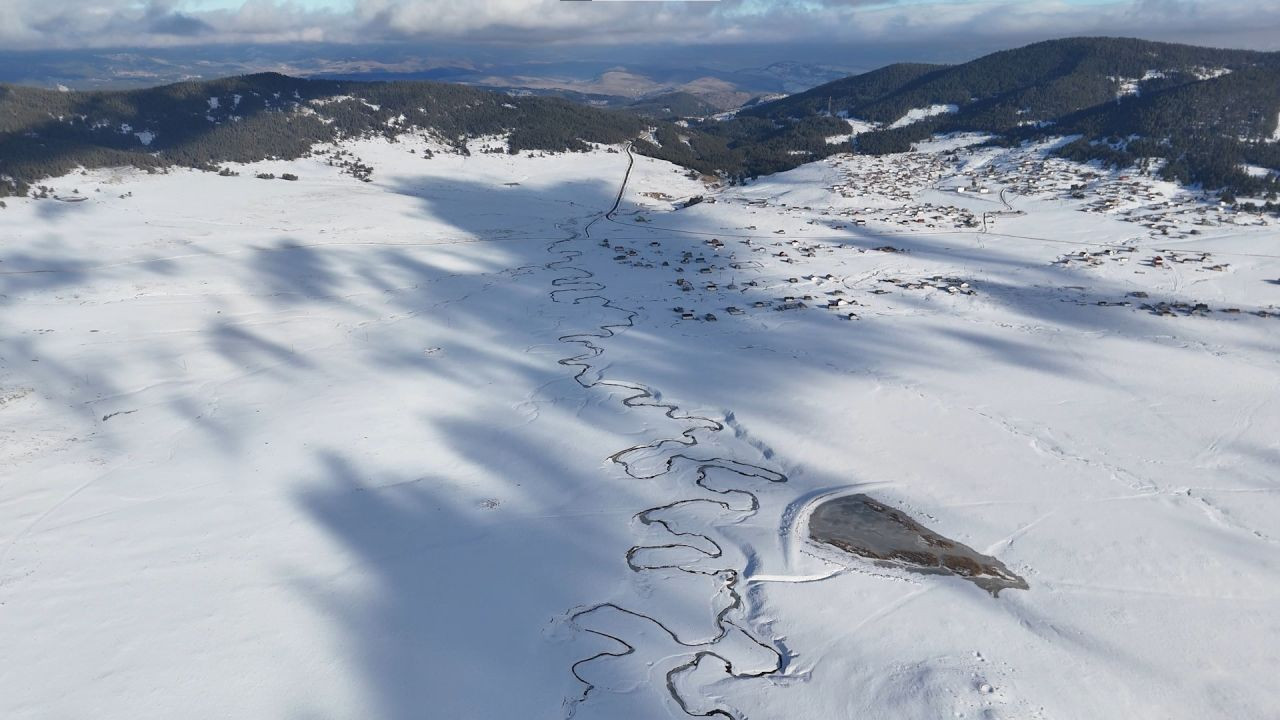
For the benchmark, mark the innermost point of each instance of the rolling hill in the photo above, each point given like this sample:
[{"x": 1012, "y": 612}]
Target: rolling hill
[
  {"x": 1205, "y": 111},
  {"x": 200, "y": 124}
]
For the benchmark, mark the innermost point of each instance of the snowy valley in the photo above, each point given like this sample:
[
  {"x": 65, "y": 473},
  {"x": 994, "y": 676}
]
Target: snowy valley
[{"x": 504, "y": 436}]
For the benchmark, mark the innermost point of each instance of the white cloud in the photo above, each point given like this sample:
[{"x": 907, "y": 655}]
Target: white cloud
[{"x": 98, "y": 23}]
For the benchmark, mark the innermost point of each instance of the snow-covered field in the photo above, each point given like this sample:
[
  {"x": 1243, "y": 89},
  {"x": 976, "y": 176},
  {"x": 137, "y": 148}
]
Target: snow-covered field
[{"x": 321, "y": 449}]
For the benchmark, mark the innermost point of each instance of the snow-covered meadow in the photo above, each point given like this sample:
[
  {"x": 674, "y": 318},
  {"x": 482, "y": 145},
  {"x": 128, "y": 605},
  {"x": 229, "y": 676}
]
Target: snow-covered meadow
[{"x": 309, "y": 449}]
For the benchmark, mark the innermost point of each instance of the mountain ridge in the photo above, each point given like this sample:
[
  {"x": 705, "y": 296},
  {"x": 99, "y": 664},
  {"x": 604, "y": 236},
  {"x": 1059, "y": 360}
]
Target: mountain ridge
[
  {"x": 241, "y": 119},
  {"x": 1207, "y": 115},
  {"x": 1205, "y": 112}
]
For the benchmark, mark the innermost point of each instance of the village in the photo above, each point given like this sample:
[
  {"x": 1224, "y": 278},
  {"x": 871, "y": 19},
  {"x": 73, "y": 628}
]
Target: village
[
  {"x": 1135, "y": 195},
  {"x": 710, "y": 280},
  {"x": 981, "y": 178},
  {"x": 753, "y": 270}
]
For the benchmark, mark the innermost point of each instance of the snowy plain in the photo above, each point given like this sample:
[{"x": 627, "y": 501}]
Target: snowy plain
[{"x": 308, "y": 450}]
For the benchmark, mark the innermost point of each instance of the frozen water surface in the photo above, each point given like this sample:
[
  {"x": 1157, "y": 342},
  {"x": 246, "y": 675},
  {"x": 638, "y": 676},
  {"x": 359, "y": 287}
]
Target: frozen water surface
[{"x": 860, "y": 525}]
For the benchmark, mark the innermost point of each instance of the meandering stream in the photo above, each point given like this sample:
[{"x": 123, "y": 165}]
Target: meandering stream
[{"x": 648, "y": 558}]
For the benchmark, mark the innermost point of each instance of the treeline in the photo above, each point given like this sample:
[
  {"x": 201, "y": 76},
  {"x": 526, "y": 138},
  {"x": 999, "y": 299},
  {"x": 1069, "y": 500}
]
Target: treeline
[
  {"x": 851, "y": 96},
  {"x": 1215, "y": 163},
  {"x": 670, "y": 106},
  {"x": 1040, "y": 82},
  {"x": 1207, "y": 131},
  {"x": 1206, "y": 112},
  {"x": 745, "y": 147},
  {"x": 243, "y": 119},
  {"x": 202, "y": 124}
]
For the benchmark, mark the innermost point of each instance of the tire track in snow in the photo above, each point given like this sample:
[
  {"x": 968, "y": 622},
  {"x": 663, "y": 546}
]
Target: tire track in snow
[{"x": 703, "y": 546}]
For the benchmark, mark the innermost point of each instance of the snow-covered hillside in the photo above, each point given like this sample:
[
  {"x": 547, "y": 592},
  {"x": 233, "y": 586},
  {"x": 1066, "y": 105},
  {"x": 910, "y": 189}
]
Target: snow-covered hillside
[
  {"x": 451, "y": 443},
  {"x": 915, "y": 115}
]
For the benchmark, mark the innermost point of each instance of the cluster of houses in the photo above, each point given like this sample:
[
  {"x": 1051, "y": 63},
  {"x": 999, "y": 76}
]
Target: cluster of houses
[
  {"x": 898, "y": 178},
  {"x": 713, "y": 265},
  {"x": 1029, "y": 173},
  {"x": 895, "y": 177},
  {"x": 1169, "y": 258},
  {"x": 1181, "y": 215},
  {"x": 712, "y": 289},
  {"x": 1164, "y": 259},
  {"x": 927, "y": 216},
  {"x": 949, "y": 285},
  {"x": 713, "y": 279},
  {"x": 1135, "y": 195},
  {"x": 893, "y": 185},
  {"x": 1184, "y": 309},
  {"x": 814, "y": 290},
  {"x": 786, "y": 252},
  {"x": 1097, "y": 258}
]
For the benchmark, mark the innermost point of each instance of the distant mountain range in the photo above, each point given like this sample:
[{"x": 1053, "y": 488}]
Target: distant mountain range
[
  {"x": 608, "y": 83},
  {"x": 1210, "y": 114}
]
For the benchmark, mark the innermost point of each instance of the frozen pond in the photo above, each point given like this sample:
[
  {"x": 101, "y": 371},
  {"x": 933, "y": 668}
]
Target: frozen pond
[{"x": 860, "y": 525}]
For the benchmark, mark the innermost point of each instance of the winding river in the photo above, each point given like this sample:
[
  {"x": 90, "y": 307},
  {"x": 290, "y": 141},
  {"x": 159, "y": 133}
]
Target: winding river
[{"x": 582, "y": 284}]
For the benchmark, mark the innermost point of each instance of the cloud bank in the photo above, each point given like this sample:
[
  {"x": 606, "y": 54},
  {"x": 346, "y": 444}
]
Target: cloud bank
[{"x": 75, "y": 24}]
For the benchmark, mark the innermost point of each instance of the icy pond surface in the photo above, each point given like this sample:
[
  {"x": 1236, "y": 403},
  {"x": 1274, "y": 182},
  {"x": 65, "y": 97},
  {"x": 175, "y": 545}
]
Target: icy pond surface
[{"x": 860, "y": 525}]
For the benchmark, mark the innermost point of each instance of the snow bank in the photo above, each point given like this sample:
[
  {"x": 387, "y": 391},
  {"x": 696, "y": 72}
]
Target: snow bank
[
  {"x": 856, "y": 128},
  {"x": 951, "y": 141},
  {"x": 917, "y": 114}
]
